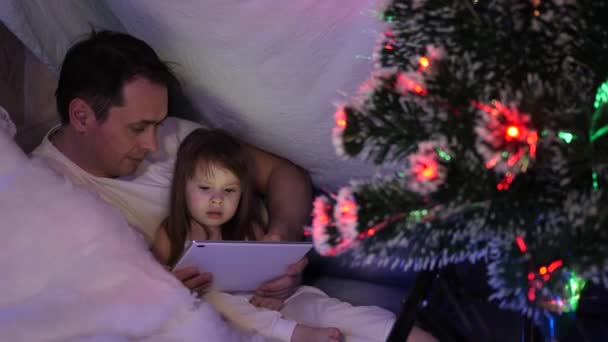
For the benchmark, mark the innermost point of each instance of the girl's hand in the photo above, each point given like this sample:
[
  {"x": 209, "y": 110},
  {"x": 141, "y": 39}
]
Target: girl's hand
[{"x": 193, "y": 279}]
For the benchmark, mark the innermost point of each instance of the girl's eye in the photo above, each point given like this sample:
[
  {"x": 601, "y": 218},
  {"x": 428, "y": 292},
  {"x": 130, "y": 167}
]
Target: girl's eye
[
  {"x": 203, "y": 187},
  {"x": 229, "y": 190}
]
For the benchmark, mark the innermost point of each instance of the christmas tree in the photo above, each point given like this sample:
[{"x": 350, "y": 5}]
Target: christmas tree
[{"x": 488, "y": 123}]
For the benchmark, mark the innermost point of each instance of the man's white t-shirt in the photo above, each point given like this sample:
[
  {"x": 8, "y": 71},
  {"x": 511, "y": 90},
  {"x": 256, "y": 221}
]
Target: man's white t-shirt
[{"x": 143, "y": 197}]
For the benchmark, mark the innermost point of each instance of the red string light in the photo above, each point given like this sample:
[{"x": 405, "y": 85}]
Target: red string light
[
  {"x": 521, "y": 244},
  {"x": 532, "y": 139},
  {"x": 341, "y": 118},
  {"x": 424, "y": 62},
  {"x": 404, "y": 83},
  {"x": 506, "y": 181},
  {"x": 543, "y": 271},
  {"x": 429, "y": 172},
  {"x": 555, "y": 265},
  {"x": 532, "y": 294},
  {"x": 513, "y": 132},
  {"x": 491, "y": 163}
]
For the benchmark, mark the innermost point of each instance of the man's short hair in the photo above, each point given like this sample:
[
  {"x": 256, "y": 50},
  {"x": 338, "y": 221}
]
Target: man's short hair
[{"x": 96, "y": 68}]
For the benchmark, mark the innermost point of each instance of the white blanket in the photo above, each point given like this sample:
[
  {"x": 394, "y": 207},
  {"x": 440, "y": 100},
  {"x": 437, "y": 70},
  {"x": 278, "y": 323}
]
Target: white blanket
[
  {"x": 269, "y": 70},
  {"x": 72, "y": 269}
]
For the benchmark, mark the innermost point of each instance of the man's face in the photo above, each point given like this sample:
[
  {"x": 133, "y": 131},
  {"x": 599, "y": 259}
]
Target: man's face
[{"x": 122, "y": 141}]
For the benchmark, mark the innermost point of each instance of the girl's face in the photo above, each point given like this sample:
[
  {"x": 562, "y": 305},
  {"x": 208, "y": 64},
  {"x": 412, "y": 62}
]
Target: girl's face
[{"x": 213, "y": 197}]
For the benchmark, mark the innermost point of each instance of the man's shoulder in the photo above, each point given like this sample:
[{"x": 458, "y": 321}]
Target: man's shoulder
[{"x": 44, "y": 150}]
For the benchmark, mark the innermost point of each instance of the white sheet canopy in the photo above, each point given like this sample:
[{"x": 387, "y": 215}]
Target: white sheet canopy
[{"x": 271, "y": 71}]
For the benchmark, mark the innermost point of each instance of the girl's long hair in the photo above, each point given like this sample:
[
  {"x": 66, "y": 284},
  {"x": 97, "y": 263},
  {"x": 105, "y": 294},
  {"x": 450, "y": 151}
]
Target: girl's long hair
[{"x": 202, "y": 149}]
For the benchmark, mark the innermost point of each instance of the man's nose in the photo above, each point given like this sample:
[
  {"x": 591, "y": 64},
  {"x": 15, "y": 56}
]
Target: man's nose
[{"x": 149, "y": 142}]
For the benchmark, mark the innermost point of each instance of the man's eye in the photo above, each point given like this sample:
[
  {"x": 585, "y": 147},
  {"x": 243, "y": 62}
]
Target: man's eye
[{"x": 138, "y": 129}]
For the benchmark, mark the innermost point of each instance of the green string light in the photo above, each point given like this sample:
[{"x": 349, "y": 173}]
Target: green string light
[
  {"x": 598, "y": 133},
  {"x": 574, "y": 287},
  {"x": 601, "y": 98},
  {"x": 596, "y": 185},
  {"x": 382, "y": 16},
  {"x": 566, "y": 136},
  {"x": 418, "y": 215},
  {"x": 443, "y": 154}
]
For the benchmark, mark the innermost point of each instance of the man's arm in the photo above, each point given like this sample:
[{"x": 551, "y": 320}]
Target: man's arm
[{"x": 288, "y": 193}]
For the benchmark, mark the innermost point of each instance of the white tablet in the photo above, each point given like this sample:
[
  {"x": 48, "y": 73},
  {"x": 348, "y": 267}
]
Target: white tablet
[{"x": 242, "y": 266}]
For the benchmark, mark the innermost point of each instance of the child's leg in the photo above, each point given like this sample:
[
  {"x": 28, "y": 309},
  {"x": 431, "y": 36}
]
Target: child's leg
[
  {"x": 238, "y": 311},
  {"x": 311, "y": 306},
  {"x": 267, "y": 323}
]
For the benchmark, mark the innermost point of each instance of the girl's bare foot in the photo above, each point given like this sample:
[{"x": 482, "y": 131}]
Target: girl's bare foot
[{"x": 303, "y": 333}]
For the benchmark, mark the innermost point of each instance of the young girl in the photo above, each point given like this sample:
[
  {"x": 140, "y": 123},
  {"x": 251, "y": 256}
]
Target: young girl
[{"x": 212, "y": 199}]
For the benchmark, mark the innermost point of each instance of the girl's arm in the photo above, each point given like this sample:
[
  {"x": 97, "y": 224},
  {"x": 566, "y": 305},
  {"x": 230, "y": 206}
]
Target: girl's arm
[{"x": 162, "y": 246}]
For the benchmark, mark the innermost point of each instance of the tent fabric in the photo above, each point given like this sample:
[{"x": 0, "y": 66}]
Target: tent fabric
[
  {"x": 270, "y": 71},
  {"x": 26, "y": 91}
]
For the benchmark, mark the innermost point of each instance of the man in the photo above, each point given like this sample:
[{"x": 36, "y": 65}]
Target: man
[{"x": 116, "y": 139}]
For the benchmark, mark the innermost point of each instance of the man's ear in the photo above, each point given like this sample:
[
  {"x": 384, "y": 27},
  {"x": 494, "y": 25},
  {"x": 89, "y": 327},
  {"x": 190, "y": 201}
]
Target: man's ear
[{"x": 82, "y": 116}]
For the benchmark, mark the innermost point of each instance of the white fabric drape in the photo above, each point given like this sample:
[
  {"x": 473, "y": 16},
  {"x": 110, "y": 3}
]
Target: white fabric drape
[{"x": 269, "y": 70}]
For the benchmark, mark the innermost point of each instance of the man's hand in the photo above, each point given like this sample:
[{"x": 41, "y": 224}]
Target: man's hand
[
  {"x": 272, "y": 237},
  {"x": 285, "y": 286},
  {"x": 193, "y": 279},
  {"x": 272, "y": 294}
]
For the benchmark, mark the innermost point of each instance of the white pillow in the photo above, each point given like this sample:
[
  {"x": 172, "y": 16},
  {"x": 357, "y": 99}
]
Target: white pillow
[{"x": 72, "y": 269}]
